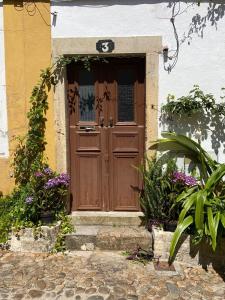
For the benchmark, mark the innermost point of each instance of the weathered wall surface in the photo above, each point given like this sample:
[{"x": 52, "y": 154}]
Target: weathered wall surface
[
  {"x": 201, "y": 59},
  {"x": 3, "y": 108},
  {"x": 27, "y": 36}
]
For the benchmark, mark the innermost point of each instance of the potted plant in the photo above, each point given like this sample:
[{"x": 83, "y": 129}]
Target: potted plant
[
  {"x": 179, "y": 183},
  {"x": 159, "y": 191},
  {"x": 47, "y": 194}
]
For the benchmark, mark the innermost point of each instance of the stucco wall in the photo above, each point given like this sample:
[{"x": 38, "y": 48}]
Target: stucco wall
[
  {"x": 27, "y": 45},
  {"x": 3, "y": 110},
  {"x": 201, "y": 59}
]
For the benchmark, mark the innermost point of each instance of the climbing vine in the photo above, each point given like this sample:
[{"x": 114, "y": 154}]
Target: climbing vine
[
  {"x": 196, "y": 101},
  {"x": 29, "y": 153},
  {"x": 38, "y": 188}
]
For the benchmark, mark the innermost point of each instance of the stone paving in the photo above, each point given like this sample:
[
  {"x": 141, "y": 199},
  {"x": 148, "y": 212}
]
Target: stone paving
[{"x": 100, "y": 276}]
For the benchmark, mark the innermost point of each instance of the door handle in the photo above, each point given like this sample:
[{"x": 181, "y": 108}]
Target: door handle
[
  {"x": 111, "y": 122},
  {"x": 101, "y": 121}
]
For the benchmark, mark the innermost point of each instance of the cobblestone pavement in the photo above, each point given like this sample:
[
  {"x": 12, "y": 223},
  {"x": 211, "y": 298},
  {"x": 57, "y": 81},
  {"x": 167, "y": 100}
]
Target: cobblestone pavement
[{"x": 101, "y": 276}]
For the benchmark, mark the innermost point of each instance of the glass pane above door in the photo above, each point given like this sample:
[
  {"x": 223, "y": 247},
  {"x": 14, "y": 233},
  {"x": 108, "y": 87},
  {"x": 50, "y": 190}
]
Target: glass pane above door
[
  {"x": 125, "y": 95},
  {"x": 86, "y": 96}
]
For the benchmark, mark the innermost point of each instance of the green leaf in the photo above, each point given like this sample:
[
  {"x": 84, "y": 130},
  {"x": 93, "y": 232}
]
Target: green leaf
[
  {"x": 191, "y": 147},
  {"x": 181, "y": 139},
  {"x": 177, "y": 234},
  {"x": 222, "y": 218},
  {"x": 199, "y": 210},
  {"x": 213, "y": 226},
  {"x": 215, "y": 177},
  {"x": 188, "y": 204},
  {"x": 185, "y": 194}
]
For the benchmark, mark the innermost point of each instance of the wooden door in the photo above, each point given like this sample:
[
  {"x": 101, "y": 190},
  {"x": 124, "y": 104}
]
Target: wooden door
[{"x": 106, "y": 132}]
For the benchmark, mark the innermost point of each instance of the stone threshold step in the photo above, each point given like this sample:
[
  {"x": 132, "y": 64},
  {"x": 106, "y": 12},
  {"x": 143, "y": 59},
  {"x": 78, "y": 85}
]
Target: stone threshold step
[
  {"x": 107, "y": 218},
  {"x": 108, "y": 238}
]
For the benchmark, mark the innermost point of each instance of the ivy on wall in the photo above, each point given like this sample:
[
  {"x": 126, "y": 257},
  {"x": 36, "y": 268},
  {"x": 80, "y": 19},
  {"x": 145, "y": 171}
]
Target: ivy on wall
[{"x": 196, "y": 101}]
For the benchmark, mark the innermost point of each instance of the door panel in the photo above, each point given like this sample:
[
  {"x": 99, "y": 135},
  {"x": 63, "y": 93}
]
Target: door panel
[
  {"x": 88, "y": 178},
  {"x": 106, "y": 119},
  {"x": 125, "y": 141},
  {"x": 88, "y": 141},
  {"x": 124, "y": 188}
]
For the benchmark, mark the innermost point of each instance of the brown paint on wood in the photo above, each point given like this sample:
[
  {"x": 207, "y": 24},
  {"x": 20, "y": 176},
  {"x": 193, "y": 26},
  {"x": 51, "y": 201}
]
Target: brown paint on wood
[{"x": 104, "y": 151}]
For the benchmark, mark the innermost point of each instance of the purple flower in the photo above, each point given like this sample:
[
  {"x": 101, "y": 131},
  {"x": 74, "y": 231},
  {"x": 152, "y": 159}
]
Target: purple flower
[
  {"x": 48, "y": 171},
  {"x": 180, "y": 177},
  {"x": 62, "y": 179},
  {"x": 190, "y": 181},
  {"x": 29, "y": 200},
  {"x": 38, "y": 174}
]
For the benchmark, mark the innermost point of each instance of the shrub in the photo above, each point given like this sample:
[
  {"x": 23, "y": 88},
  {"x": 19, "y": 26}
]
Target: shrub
[
  {"x": 162, "y": 185},
  {"x": 203, "y": 205},
  {"x": 6, "y": 205}
]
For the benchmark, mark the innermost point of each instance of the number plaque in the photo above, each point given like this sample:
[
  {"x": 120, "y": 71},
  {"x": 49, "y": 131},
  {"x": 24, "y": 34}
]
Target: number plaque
[{"x": 105, "y": 46}]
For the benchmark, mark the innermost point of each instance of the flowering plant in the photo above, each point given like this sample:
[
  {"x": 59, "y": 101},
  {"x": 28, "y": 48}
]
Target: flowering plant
[
  {"x": 47, "y": 192},
  {"x": 182, "y": 178}
]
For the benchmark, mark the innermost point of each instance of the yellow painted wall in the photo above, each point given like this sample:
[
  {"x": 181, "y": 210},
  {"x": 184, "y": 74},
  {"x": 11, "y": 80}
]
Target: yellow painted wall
[{"x": 27, "y": 31}]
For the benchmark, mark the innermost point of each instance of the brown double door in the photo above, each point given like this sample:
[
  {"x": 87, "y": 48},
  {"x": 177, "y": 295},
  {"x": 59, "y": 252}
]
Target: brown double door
[{"x": 106, "y": 132}]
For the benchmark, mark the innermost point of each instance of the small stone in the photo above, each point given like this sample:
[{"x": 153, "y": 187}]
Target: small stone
[
  {"x": 119, "y": 291},
  {"x": 90, "y": 291},
  {"x": 111, "y": 297},
  {"x": 172, "y": 288},
  {"x": 41, "y": 284},
  {"x": 95, "y": 297},
  {"x": 35, "y": 293},
  {"x": 132, "y": 297},
  {"x": 69, "y": 293},
  {"x": 18, "y": 296},
  {"x": 50, "y": 295},
  {"x": 103, "y": 290},
  {"x": 62, "y": 275},
  {"x": 70, "y": 284},
  {"x": 78, "y": 297},
  {"x": 219, "y": 293},
  {"x": 80, "y": 290},
  {"x": 50, "y": 286}
]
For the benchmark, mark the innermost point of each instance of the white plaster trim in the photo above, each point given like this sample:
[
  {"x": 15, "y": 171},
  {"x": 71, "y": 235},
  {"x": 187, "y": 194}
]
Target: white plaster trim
[{"x": 4, "y": 147}]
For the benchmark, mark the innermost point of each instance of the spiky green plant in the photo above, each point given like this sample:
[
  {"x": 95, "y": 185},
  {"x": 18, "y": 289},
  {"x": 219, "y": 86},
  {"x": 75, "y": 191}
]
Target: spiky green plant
[
  {"x": 203, "y": 206},
  {"x": 181, "y": 143},
  {"x": 156, "y": 197}
]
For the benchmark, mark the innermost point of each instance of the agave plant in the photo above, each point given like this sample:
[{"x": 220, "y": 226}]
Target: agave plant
[{"x": 203, "y": 205}]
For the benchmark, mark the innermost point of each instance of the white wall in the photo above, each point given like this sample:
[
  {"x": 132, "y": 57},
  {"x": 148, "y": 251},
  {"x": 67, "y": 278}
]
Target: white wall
[
  {"x": 200, "y": 62},
  {"x": 3, "y": 107}
]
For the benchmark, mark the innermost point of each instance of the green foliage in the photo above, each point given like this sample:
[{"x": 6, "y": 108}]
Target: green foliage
[
  {"x": 30, "y": 196},
  {"x": 194, "y": 103},
  {"x": 203, "y": 206},
  {"x": 180, "y": 143},
  {"x": 46, "y": 191},
  {"x": 6, "y": 205},
  {"x": 159, "y": 193},
  {"x": 206, "y": 208},
  {"x": 29, "y": 154},
  {"x": 65, "y": 228}
]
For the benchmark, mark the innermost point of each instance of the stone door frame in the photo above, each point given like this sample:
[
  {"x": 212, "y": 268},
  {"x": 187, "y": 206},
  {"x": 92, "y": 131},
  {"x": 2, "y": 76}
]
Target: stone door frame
[{"x": 148, "y": 46}]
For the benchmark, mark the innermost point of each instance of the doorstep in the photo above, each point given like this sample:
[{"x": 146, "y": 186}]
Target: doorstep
[
  {"x": 111, "y": 218},
  {"x": 114, "y": 238}
]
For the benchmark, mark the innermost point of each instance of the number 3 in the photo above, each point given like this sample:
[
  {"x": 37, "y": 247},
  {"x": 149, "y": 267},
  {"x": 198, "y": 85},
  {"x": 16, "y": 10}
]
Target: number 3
[{"x": 105, "y": 46}]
